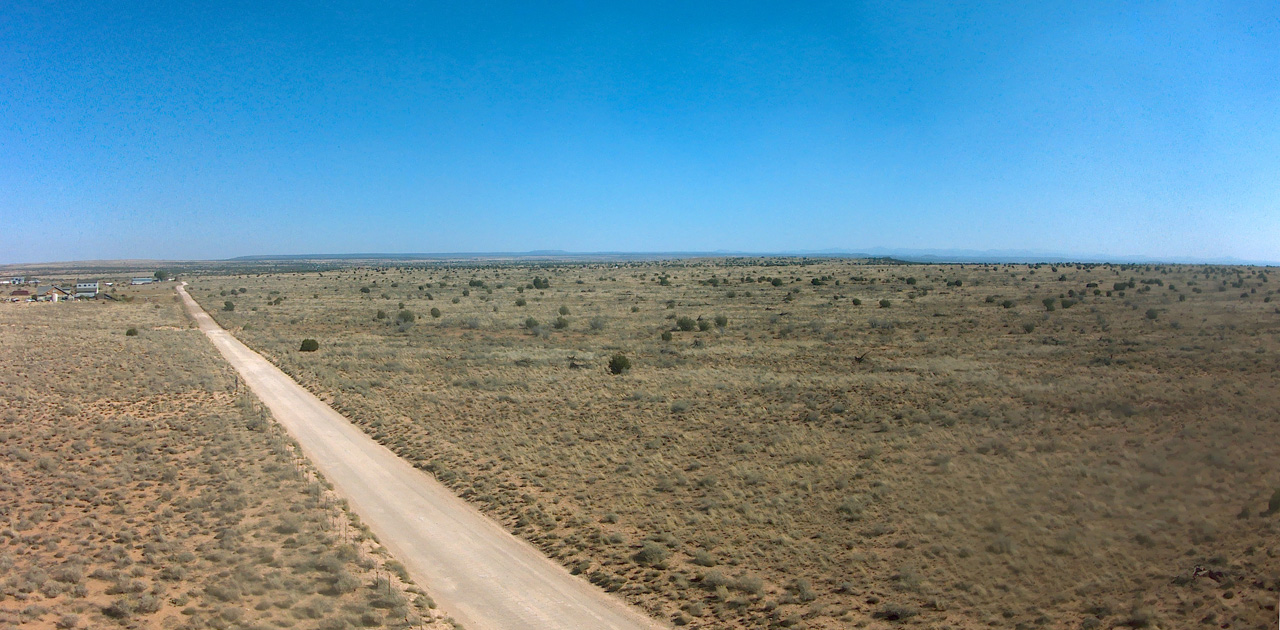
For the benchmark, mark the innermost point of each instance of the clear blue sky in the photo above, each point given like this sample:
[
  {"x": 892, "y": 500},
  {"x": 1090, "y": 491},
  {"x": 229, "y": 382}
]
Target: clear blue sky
[{"x": 210, "y": 130}]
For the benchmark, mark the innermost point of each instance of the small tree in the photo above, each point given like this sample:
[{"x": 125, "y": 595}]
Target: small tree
[
  {"x": 228, "y": 306},
  {"x": 162, "y": 275},
  {"x": 435, "y": 312},
  {"x": 309, "y": 345},
  {"x": 619, "y": 363},
  {"x": 885, "y": 303},
  {"x": 1152, "y": 313},
  {"x": 530, "y": 323}
]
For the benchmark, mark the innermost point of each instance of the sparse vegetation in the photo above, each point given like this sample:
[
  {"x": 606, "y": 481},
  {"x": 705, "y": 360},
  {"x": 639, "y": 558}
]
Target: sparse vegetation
[
  {"x": 142, "y": 490},
  {"x": 818, "y": 455}
]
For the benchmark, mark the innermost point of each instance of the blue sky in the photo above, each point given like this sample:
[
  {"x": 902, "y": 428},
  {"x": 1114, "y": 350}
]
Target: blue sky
[{"x": 161, "y": 130}]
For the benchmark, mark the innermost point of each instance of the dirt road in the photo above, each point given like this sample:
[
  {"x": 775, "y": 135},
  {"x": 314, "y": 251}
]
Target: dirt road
[{"x": 476, "y": 571}]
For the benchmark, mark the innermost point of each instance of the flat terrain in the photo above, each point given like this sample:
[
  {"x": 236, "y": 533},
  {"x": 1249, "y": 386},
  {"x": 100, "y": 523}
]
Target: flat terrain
[
  {"x": 801, "y": 456},
  {"x": 140, "y": 488},
  {"x": 485, "y": 577}
]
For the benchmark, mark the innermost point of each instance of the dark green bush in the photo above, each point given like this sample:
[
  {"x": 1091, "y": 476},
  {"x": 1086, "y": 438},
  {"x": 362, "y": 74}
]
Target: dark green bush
[
  {"x": 435, "y": 312},
  {"x": 132, "y": 332},
  {"x": 309, "y": 345},
  {"x": 686, "y": 323},
  {"x": 619, "y": 363},
  {"x": 228, "y": 306},
  {"x": 405, "y": 317},
  {"x": 885, "y": 303}
]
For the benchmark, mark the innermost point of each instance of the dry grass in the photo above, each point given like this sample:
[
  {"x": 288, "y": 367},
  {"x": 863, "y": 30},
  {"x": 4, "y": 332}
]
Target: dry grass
[
  {"x": 983, "y": 465},
  {"x": 139, "y": 489}
]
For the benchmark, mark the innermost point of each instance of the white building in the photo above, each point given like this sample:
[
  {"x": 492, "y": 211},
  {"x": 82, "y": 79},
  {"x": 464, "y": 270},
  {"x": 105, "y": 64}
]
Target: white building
[{"x": 87, "y": 289}]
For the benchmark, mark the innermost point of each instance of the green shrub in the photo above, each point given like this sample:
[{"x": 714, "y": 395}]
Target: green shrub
[
  {"x": 704, "y": 325},
  {"x": 666, "y": 335},
  {"x": 686, "y": 323},
  {"x": 560, "y": 323},
  {"x": 132, "y": 332},
  {"x": 405, "y": 317},
  {"x": 530, "y": 323},
  {"x": 1048, "y": 303},
  {"x": 435, "y": 312},
  {"x": 619, "y": 363},
  {"x": 1152, "y": 313},
  {"x": 520, "y": 302},
  {"x": 380, "y": 315},
  {"x": 721, "y": 321},
  {"x": 652, "y": 553},
  {"x": 564, "y": 310},
  {"x": 885, "y": 303},
  {"x": 228, "y": 306},
  {"x": 857, "y": 302},
  {"x": 309, "y": 345}
]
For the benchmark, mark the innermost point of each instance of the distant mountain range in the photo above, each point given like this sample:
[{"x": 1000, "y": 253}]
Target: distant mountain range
[
  {"x": 274, "y": 261},
  {"x": 907, "y": 255}
]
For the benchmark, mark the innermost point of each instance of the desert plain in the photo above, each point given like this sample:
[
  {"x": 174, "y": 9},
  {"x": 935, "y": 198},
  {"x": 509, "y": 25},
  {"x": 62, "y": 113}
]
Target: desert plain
[{"x": 724, "y": 442}]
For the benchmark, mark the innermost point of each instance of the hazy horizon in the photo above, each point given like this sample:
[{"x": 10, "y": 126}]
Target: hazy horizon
[{"x": 206, "y": 133}]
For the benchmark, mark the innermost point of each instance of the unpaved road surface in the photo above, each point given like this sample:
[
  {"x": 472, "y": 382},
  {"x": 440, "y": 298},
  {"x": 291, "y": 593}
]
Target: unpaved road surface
[{"x": 476, "y": 571}]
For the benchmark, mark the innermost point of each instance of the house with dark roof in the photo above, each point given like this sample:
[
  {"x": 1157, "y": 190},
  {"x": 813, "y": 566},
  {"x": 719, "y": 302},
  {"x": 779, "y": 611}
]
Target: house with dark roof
[{"x": 52, "y": 293}]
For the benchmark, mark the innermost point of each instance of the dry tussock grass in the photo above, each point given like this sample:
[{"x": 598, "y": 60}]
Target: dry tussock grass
[
  {"x": 139, "y": 489},
  {"x": 963, "y": 457}
]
